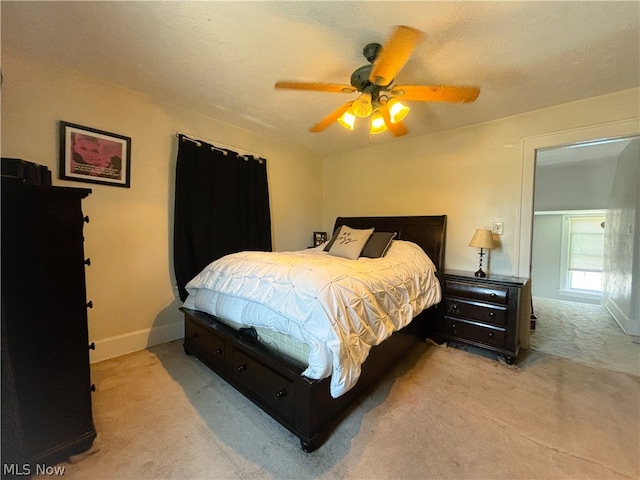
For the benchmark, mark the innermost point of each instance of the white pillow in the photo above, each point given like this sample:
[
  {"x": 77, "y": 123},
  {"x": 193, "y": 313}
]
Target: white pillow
[{"x": 350, "y": 242}]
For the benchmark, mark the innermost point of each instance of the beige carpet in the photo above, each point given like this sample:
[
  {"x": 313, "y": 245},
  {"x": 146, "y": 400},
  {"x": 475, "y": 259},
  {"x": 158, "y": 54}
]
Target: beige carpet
[
  {"x": 584, "y": 333},
  {"x": 443, "y": 414}
]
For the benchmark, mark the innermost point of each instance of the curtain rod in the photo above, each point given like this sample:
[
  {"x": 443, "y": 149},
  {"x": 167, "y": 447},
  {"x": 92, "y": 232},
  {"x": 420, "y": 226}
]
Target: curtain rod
[{"x": 239, "y": 151}]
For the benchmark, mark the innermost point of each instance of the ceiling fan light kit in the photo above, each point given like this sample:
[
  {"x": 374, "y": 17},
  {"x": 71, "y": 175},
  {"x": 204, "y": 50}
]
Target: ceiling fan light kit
[
  {"x": 378, "y": 98},
  {"x": 363, "y": 107}
]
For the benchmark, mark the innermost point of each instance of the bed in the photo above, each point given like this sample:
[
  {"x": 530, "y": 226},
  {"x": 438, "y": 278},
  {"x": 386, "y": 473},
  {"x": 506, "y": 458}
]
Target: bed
[{"x": 274, "y": 380}]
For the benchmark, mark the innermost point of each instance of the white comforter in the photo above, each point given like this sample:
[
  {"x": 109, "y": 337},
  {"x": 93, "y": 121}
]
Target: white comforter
[{"x": 339, "y": 307}]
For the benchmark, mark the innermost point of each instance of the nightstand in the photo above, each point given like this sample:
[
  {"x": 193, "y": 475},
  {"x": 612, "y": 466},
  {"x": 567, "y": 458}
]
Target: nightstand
[{"x": 487, "y": 312}]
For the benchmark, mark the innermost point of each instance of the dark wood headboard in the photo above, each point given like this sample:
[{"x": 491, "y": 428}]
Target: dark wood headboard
[{"x": 426, "y": 231}]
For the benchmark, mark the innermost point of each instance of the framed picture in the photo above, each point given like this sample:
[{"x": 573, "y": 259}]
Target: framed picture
[
  {"x": 94, "y": 156},
  {"x": 319, "y": 238}
]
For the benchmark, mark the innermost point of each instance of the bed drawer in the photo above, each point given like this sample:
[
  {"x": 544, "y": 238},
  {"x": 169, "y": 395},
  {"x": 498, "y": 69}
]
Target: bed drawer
[
  {"x": 271, "y": 388},
  {"x": 205, "y": 344},
  {"x": 485, "y": 293}
]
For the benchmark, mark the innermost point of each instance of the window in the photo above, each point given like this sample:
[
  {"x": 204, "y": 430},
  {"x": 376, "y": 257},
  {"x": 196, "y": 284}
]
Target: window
[{"x": 584, "y": 236}]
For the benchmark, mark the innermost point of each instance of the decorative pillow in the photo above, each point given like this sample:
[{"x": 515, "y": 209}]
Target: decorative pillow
[
  {"x": 350, "y": 242},
  {"x": 378, "y": 245},
  {"x": 329, "y": 244}
]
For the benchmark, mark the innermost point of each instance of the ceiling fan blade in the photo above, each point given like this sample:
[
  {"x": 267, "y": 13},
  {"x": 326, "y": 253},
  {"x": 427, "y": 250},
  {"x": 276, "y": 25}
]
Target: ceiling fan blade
[
  {"x": 318, "y": 87},
  {"x": 435, "y": 93},
  {"x": 396, "y": 129},
  {"x": 394, "y": 54},
  {"x": 329, "y": 119}
]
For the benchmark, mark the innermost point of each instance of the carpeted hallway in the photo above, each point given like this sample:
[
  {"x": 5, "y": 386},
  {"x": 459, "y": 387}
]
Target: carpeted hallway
[
  {"x": 585, "y": 333},
  {"x": 444, "y": 413}
]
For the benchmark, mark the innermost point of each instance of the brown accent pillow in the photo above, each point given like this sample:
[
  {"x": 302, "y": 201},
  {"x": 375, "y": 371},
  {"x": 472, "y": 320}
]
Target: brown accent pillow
[{"x": 378, "y": 244}]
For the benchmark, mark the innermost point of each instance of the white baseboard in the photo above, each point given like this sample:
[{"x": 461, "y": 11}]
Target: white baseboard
[
  {"x": 134, "y": 341},
  {"x": 630, "y": 326}
]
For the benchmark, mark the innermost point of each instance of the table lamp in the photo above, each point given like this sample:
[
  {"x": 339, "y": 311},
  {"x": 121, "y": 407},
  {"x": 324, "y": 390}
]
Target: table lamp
[{"x": 482, "y": 239}]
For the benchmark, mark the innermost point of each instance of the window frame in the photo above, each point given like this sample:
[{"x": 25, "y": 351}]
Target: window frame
[{"x": 565, "y": 273}]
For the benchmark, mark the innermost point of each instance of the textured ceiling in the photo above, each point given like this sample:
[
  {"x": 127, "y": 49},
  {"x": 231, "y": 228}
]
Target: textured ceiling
[{"x": 223, "y": 58}]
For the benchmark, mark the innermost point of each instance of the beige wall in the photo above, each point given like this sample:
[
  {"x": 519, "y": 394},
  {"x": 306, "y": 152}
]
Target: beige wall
[
  {"x": 475, "y": 175},
  {"x": 622, "y": 242},
  {"x": 129, "y": 237}
]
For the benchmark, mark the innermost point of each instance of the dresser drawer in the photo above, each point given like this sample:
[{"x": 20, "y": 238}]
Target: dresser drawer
[
  {"x": 210, "y": 347},
  {"x": 274, "y": 389},
  {"x": 481, "y": 312},
  {"x": 483, "y": 292},
  {"x": 495, "y": 337}
]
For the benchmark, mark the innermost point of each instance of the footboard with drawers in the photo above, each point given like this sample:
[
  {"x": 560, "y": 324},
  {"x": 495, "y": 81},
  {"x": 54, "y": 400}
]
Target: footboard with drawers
[{"x": 274, "y": 382}]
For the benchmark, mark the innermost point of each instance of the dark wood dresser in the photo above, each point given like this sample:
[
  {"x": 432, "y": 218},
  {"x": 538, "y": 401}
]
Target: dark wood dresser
[
  {"x": 485, "y": 312},
  {"x": 46, "y": 384}
]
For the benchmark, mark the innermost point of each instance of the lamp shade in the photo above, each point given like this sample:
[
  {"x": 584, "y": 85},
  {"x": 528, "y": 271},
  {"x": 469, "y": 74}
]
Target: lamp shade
[
  {"x": 377, "y": 123},
  {"x": 347, "y": 119},
  {"x": 397, "y": 110},
  {"x": 482, "y": 239},
  {"x": 362, "y": 107}
]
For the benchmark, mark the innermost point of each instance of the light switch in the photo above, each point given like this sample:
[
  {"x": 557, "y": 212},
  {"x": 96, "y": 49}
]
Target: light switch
[{"x": 497, "y": 228}]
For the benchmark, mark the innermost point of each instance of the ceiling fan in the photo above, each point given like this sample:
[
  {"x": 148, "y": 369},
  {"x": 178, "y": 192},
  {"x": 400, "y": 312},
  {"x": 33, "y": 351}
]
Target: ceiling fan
[{"x": 379, "y": 97}]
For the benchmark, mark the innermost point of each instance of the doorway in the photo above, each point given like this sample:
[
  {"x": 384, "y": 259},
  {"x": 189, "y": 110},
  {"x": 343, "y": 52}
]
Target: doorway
[
  {"x": 573, "y": 188},
  {"x": 572, "y": 198},
  {"x": 530, "y": 146}
]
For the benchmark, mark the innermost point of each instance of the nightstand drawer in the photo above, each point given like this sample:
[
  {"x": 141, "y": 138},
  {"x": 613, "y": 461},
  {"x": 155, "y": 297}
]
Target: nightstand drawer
[
  {"x": 481, "y": 312},
  {"x": 477, "y": 291},
  {"x": 471, "y": 332}
]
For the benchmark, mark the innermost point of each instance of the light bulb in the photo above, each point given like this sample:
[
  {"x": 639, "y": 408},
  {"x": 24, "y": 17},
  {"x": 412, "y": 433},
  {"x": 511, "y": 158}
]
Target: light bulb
[
  {"x": 362, "y": 106},
  {"x": 397, "y": 110},
  {"x": 347, "y": 119},
  {"x": 377, "y": 123}
]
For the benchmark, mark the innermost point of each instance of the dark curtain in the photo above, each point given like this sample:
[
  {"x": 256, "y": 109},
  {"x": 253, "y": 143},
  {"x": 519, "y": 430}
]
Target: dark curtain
[{"x": 221, "y": 207}]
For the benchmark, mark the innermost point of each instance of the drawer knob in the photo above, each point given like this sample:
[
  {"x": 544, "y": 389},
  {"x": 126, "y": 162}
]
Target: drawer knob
[
  {"x": 282, "y": 393},
  {"x": 492, "y": 314},
  {"x": 89, "y": 304},
  {"x": 87, "y": 262},
  {"x": 86, "y": 219},
  {"x": 242, "y": 366},
  {"x": 492, "y": 294},
  {"x": 217, "y": 351},
  {"x": 92, "y": 346},
  {"x": 92, "y": 387},
  {"x": 490, "y": 334}
]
